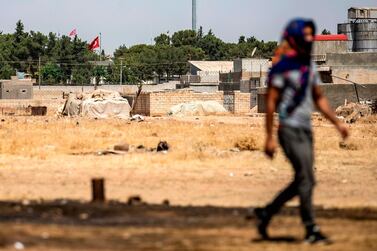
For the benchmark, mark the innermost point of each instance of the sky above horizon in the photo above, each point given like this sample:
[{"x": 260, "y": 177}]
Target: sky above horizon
[{"x": 131, "y": 22}]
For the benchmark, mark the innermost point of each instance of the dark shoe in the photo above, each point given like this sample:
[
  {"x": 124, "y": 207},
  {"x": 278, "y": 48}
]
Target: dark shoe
[
  {"x": 262, "y": 219},
  {"x": 314, "y": 236}
]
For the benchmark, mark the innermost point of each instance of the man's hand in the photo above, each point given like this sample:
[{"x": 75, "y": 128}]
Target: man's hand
[
  {"x": 342, "y": 129},
  {"x": 270, "y": 147},
  {"x": 323, "y": 105}
]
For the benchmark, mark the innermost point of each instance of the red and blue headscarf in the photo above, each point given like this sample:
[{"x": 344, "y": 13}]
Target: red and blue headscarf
[
  {"x": 294, "y": 35},
  {"x": 299, "y": 61}
]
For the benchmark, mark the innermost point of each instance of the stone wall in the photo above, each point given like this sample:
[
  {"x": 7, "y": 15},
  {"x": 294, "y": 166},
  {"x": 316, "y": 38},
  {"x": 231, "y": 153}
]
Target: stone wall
[
  {"x": 159, "y": 103},
  {"x": 241, "y": 102},
  {"x": 336, "y": 94}
]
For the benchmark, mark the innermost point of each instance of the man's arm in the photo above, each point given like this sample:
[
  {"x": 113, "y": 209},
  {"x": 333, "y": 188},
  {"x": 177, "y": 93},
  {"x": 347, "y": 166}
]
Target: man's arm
[
  {"x": 323, "y": 106},
  {"x": 272, "y": 99}
]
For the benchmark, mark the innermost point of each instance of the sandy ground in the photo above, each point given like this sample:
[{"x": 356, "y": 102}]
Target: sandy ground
[
  {"x": 75, "y": 226},
  {"x": 50, "y": 158}
]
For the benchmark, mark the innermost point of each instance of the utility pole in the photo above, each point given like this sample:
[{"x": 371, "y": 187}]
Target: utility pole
[
  {"x": 121, "y": 73},
  {"x": 39, "y": 72}
]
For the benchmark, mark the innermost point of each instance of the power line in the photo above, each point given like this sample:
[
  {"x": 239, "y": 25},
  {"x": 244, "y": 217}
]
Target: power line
[{"x": 36, "y": 63}]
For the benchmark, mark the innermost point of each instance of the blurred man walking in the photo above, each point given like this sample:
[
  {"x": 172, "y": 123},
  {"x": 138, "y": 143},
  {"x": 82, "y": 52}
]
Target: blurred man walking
[{"x": 293, "y": 87}]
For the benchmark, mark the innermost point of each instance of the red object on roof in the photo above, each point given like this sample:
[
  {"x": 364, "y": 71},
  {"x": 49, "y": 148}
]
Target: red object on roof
[{"x": 338, "y": 37}]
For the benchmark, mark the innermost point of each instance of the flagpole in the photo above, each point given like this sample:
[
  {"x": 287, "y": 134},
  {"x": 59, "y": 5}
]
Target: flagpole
[{"x": 100, "y": 46}]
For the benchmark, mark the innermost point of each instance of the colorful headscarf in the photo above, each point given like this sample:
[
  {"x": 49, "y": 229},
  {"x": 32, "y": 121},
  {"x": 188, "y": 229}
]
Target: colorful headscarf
[
  {"x": 293, "y": 35},
  {"x": 300, "y": 60}
]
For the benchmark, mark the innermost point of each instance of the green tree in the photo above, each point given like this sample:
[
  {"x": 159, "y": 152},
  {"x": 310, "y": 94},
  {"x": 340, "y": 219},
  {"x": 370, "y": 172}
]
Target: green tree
[
  {"x": 213, "y": 46},
  {"x": 184, "y": 37},
  {"x": 162, "y": 39},
  {"x": 242, "y": 40},
  {"x": 51, "y": 73},
  {"x": 326, "y": 32}
]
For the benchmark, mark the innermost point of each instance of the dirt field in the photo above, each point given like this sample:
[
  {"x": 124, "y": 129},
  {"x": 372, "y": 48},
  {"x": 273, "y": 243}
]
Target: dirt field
[{"x": 48, "y": 158}]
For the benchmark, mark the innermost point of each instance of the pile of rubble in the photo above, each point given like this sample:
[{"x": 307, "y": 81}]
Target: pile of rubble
[{"x": 351, "y": 112}]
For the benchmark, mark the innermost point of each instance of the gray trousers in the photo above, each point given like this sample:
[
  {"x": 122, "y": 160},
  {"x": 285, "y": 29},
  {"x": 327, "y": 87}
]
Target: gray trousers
[{"x": 298, "y": 147}]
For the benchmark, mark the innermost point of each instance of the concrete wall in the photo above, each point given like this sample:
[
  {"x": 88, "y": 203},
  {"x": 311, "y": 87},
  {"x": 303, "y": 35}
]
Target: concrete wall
[
  {"x": 361, "y": 75},
  {"x": 147, "y": 88},
  {"x": 354, "y": 59},
  {"x": 336, "y": 94},
  {"x": 251, "y": 65},
  {"x": 241, "y": 76},
  {"x": 204, "y": 87},
  {"x": 9, "y": 90},
  {"x": 324, "y": 47},
  {"x": 209, "y": 76}
]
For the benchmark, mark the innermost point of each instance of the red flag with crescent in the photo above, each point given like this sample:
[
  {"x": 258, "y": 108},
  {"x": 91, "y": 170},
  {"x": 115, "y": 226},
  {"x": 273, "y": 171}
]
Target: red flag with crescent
[{"x": 94, "y": 44}]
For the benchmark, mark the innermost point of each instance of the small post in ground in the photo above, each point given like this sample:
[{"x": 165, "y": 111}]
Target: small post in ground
[{"x": 98, "y": 190}]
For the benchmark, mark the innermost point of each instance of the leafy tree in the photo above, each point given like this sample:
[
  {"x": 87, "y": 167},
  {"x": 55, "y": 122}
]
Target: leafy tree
[
  {"x": 68, "y": 60},
  {"x": 99, "y": 73},
  {"x": 82, "y": 75},
  {"x": 212, "y": 46},
  {"x": 6, "y": 71},
  {"x": 51, "y": 73},
  {"x": 184, "y": 37},
  {"x": 326, "y": 32},
  {"x": 241, "y": 40},
  {"x": 162, "y": 39}
]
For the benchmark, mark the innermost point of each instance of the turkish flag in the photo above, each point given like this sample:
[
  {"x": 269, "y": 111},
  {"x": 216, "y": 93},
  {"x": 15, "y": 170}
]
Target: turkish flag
[
  {"x": 94, "y": 44},
  {"x": 73, "y": 33}
]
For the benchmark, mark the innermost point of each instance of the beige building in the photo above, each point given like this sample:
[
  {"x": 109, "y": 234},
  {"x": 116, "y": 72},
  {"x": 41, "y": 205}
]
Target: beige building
[{"x": 16, "y": 88}]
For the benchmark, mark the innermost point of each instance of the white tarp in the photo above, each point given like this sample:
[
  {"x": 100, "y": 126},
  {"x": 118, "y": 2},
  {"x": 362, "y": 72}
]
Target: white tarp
[
  {"x": 72, "y": 106},
  {"x": 106, "y": 108},
  {"x": 98, "y": 104},
  {"x": 197, "y": 108}
]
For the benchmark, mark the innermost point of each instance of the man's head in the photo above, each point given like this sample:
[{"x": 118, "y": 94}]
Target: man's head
[{"x": 299, "y": 34}]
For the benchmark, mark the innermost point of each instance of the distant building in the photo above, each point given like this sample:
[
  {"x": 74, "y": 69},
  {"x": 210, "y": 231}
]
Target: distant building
[
  {"x": 324, "y": 44},
  {"x": 16, "y": 88},
  {"x": 249, "y": 74},
  {"x": 204, "y": 76},
  {"x": 209, "y": 71},
  {"x": 351, "y": 55},
  {"x": 361, "y": 29}
]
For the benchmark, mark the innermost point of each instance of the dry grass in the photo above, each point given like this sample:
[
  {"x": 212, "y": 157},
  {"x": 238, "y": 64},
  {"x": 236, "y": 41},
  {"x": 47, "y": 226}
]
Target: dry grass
[
  {"x": 36, "y": 159},
  {"x": 36, "y": 137},
  {"x": 43, "y": 137},
  {"x": 247, "y": 144}
]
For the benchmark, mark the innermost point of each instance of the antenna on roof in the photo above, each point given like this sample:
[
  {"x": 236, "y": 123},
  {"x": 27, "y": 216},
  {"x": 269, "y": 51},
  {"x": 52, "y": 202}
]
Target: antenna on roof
[{"x": 254, "y": 50}]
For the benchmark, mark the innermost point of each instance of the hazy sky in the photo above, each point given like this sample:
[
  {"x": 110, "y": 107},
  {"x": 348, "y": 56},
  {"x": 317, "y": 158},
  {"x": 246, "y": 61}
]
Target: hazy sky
[{"x": 131, "y": 22}]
